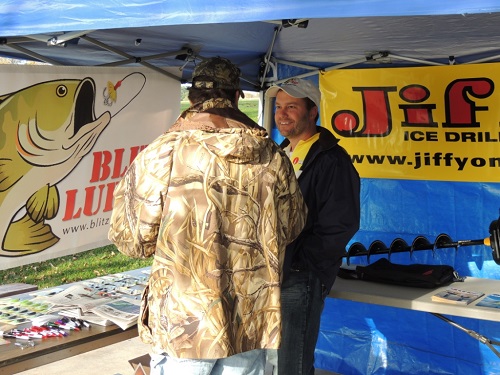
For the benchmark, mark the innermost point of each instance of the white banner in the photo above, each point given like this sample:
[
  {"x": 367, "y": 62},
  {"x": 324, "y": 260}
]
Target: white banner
[{"x": 67, "y": 135}]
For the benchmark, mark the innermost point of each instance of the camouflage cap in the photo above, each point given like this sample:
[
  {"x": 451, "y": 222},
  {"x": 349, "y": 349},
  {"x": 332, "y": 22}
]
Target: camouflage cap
[{"x": 216, "y": 73}]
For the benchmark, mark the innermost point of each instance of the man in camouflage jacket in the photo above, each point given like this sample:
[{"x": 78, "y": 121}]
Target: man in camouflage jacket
[{"x": 216, "y": 202}]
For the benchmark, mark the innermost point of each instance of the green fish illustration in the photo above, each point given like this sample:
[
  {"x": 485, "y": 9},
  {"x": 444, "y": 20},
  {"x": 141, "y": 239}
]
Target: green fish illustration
[{"x": 45, "y": 131}]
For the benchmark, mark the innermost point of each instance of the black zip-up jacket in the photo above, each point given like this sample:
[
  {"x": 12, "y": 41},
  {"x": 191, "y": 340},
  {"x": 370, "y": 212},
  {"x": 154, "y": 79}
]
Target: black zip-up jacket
[{"x": 331, "y": 188}]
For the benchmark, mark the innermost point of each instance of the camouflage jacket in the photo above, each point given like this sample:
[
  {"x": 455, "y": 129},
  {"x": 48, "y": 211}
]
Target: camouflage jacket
[{"x": 216, "y": 202}]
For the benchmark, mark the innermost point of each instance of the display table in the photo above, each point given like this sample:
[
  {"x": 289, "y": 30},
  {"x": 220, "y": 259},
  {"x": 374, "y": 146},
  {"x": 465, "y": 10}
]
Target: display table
[
  {"x": 14, "y": 358},
  {"x": 420, "y": 300}
]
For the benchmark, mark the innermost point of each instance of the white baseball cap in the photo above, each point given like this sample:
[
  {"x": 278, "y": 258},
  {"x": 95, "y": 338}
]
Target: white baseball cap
[{"x": 298, "y": 88}]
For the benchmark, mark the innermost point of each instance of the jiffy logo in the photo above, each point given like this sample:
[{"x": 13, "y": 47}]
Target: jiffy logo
[
  {"x": 430, "y": 123},
  {"x": 460, "y": 110}
]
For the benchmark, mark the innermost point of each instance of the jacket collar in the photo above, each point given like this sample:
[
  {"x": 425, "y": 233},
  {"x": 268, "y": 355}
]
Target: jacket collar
[{"x": 325, "y": 142}]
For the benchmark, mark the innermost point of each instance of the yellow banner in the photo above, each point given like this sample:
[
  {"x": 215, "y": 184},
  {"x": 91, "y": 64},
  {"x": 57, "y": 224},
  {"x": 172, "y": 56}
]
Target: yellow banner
[{"x": 426, "y": 123}]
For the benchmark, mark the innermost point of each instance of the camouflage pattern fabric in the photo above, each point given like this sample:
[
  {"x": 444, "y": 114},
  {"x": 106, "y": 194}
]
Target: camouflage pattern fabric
[
  {"x": 216, "y": 72},
  {"x": 216, "y": 203}
]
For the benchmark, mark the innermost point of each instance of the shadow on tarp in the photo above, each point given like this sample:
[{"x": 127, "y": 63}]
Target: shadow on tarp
[{"x": 365, "y": 339}]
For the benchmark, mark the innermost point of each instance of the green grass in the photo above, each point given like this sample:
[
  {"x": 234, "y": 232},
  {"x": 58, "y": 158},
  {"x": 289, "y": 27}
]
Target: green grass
[
  {"x": 92, "y": 263},
  {"x": 71, "y": 268},
  {"x": 249, "y": 106}
]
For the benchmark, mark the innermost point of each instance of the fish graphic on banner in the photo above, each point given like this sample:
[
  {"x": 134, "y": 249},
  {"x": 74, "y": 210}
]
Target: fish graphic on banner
[{"x": 45, "y": 131}]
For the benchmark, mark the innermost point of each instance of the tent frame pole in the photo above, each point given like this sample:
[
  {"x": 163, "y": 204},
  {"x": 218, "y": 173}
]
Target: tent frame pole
[
  {"x": 34, "y": 54},
  {"x": 133, "y": 59},
  {"x": 411, "y": 59},
  {"x": 486, "y": 59},
  {"x": 483, "y": 339},
  {"x": 267, "y": 57},
  {"x": 138, "y": 60}
]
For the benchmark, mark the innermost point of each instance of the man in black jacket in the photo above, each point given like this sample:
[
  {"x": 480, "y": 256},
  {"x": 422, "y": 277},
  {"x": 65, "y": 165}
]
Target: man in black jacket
[{"x": 331, "y": 187}]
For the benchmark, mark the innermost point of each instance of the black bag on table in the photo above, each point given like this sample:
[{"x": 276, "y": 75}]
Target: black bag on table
[{"x": 414, "y": 275}]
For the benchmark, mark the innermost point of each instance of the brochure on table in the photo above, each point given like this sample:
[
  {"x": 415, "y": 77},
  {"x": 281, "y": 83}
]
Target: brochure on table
[
  {"x": 491, "y": 301},
  {"x": 456, "y": 296},
  {"x": 105, "y": 300}
]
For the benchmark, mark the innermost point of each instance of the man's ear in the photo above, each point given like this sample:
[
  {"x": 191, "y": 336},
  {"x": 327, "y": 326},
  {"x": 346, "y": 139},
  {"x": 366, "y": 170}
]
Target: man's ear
[{"x": 313, "y": 113}]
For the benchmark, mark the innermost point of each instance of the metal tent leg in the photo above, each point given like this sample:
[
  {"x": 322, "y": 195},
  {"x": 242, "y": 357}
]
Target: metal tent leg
[{"x": 483, "y": 339}]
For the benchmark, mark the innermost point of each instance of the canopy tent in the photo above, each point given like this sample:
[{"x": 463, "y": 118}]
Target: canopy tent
[
  {"x": 274, "y": 40},
  {"x": 257, "y": 36}
]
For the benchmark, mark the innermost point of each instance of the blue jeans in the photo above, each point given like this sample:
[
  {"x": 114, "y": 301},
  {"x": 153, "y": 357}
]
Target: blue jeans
[
  {"x": 248, "y": 363},
  {"x": 302, "y": 301}
]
